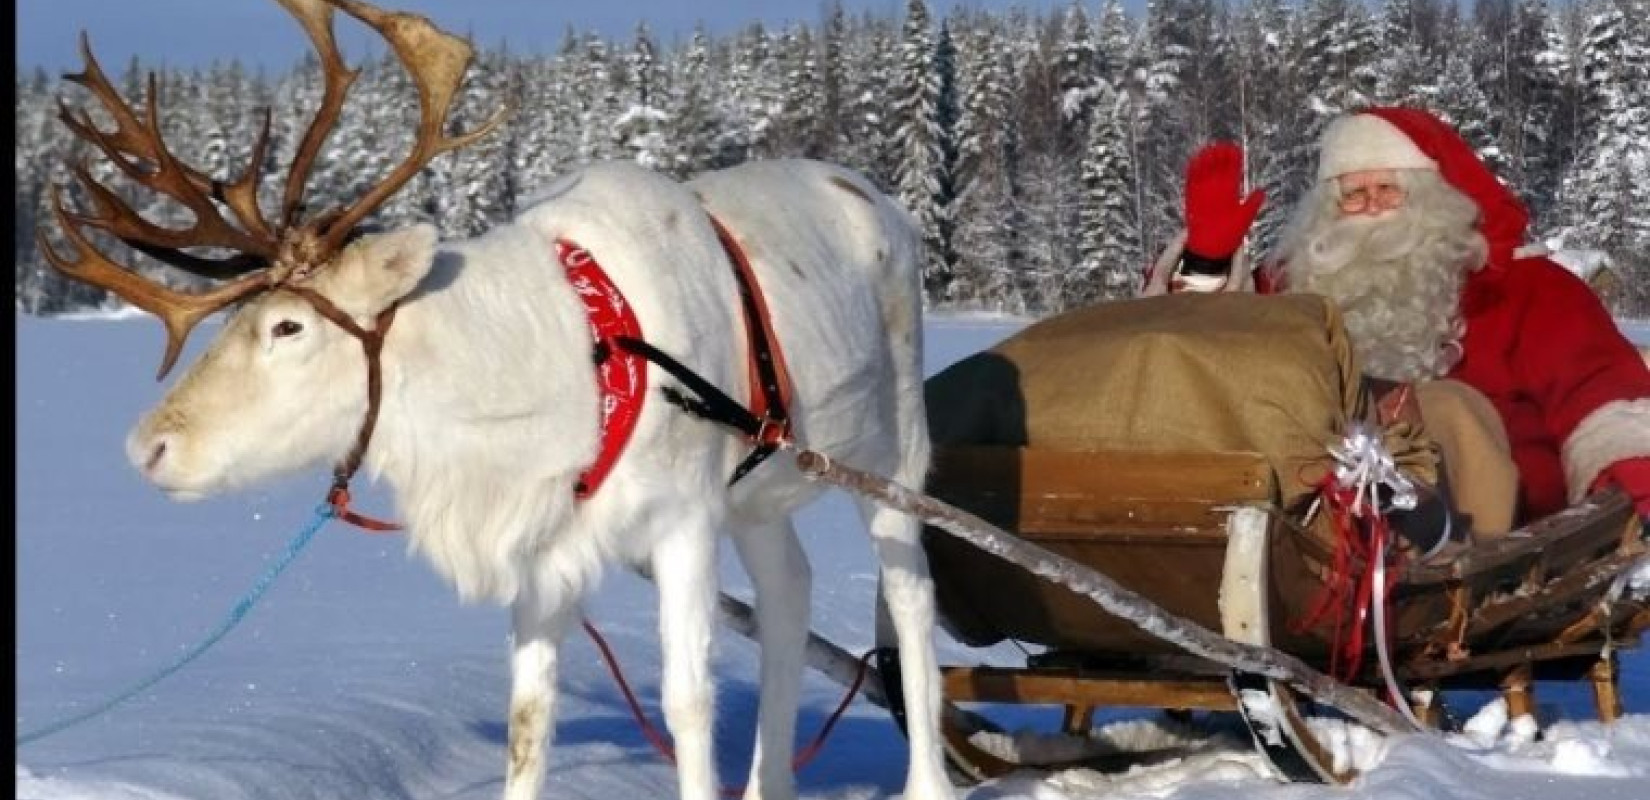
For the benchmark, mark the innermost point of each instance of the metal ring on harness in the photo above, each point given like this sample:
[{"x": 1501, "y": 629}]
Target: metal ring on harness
[{"x": 771, "y": 432}]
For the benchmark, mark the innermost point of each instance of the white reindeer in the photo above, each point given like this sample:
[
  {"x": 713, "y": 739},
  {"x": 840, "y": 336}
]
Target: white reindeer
[{"x": 489, "y": 398}]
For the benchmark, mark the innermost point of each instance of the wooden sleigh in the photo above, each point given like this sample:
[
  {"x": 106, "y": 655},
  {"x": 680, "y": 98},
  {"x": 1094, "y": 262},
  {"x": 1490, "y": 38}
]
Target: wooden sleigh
[
  {"x": 1124, "y": 491},
  {"x": 1200, "y": 535}
]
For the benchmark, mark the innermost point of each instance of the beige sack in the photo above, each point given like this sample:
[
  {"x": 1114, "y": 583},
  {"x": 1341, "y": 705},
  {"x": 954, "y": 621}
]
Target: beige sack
[
  {"x": 1476, "y": 452},
  {"x": 1273, "y": 374}
]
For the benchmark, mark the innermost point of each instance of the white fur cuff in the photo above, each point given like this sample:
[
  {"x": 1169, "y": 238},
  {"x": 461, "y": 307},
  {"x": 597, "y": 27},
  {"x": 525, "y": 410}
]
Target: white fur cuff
[{"x": 1617, "y": 430}]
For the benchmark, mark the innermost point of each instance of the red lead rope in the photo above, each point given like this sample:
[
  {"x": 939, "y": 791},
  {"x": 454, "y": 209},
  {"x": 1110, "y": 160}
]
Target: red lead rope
[
  {"x": 338, "y": 498},
  {"x": 802, "y": 758}
]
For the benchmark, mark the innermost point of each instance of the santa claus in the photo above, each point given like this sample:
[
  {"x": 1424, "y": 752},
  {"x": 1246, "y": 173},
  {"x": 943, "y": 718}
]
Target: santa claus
[{"x": 1423, "y": 249}]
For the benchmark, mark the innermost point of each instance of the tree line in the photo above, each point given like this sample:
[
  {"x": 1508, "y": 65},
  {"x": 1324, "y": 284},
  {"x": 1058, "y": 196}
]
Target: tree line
[{"x": 1041, "y": 153}]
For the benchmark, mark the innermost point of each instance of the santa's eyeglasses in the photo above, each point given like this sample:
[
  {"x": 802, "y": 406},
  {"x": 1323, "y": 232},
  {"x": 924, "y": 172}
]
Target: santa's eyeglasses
[{"x": 1358, "y": 198}]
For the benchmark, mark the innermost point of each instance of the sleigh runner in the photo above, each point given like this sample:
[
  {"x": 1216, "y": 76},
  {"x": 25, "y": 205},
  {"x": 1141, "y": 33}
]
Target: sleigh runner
[{"x": 1227, "y": 539}]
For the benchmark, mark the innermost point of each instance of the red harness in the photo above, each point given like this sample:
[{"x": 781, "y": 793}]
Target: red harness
[
  {"x": 621, "y": 368},
  {"x": 770, "y": 382},
  {"x": 620, "y": 374}
]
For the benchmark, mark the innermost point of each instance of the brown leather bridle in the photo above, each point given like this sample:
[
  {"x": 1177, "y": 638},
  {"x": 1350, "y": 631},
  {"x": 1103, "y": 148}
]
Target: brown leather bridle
[{"x": 372, "y": 346}]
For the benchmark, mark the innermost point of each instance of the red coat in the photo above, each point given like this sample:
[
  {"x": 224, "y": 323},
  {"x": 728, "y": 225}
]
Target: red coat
[
  {"x": 1546, "y": 353},
  {"x": 1542, "y": 347},
  {"x": 1573, "y": 392}
]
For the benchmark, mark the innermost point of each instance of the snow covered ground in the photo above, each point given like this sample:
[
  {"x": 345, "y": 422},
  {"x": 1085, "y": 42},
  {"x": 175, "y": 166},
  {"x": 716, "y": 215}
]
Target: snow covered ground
[{"x": 360, "y": 676}]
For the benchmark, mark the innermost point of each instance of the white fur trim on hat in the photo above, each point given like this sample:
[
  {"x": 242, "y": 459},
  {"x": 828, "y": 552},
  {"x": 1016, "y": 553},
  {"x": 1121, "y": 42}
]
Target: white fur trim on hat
[
  {"x": 1616, "y": 430},
  {"x": 1364, "y": 141}
]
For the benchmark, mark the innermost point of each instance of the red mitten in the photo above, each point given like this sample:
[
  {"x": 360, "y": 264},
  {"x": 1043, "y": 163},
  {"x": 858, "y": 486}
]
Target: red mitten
[
  {"x": 1633, "y": 476},
  {"x": 1217, "y": 219}
]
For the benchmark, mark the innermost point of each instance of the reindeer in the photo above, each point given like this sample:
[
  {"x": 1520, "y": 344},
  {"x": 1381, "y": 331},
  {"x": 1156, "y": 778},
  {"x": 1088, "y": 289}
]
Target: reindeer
[{"x": 462, "y": 373}]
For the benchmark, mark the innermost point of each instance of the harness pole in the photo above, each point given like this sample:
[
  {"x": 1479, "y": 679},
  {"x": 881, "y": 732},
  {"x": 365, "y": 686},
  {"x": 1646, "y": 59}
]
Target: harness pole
[{"x": 1107, "y": 593}]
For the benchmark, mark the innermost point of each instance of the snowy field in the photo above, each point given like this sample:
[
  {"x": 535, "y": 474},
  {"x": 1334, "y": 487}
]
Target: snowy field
[{"x": 360, "y": 676}]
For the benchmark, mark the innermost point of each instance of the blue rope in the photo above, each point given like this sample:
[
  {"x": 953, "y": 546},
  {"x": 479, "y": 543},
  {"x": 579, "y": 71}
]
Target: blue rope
[{"x": 322, "y": 513}]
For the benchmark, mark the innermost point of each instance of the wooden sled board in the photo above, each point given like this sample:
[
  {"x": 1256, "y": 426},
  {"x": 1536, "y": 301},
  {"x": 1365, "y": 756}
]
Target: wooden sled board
[
  {"x": 1525, "y": 607},
  {"x": 1155, "y": 522}
]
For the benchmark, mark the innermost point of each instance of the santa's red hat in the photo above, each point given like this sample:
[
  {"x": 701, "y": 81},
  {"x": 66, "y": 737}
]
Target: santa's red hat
[{"x": 1409, "y": 138}]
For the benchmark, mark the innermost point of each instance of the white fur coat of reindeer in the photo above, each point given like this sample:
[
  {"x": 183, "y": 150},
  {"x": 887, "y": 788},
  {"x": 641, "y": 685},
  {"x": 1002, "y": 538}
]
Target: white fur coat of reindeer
[{"x": 489, "y": 406}]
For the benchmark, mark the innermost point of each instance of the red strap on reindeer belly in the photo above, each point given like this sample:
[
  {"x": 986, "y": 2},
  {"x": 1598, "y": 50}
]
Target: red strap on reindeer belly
[{"x": 621, "y": 376}]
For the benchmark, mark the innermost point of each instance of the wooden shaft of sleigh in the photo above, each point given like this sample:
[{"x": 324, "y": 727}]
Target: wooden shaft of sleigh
[{"x": 1108, "y": 594}]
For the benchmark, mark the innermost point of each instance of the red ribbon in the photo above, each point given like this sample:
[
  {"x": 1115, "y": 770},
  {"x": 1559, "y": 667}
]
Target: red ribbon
[{"x": 1361, "y": 532}]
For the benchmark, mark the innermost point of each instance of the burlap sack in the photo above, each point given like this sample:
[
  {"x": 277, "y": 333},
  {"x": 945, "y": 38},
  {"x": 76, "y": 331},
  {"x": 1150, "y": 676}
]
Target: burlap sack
[
  {"x": 1476, "y": 451},
  {"x": 1180, "y": 373}
]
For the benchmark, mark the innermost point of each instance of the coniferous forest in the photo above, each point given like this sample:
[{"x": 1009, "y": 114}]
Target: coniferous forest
[{"x": 1042, "y": 153}]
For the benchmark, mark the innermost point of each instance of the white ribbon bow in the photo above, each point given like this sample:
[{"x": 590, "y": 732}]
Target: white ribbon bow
[{"x": 1364, "y": 465}]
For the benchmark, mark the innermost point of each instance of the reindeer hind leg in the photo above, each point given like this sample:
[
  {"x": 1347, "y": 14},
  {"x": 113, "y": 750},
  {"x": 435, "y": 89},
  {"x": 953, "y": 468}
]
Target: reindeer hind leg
[
  {"x": 779, "y": 571},
  {"x": 908, "y": 591}
]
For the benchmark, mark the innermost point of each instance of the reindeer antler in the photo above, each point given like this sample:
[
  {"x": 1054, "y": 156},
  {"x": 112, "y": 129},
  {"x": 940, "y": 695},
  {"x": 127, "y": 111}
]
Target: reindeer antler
[
  {"x": 436, "y": 61},
  {"x": 316, "y": 18},
  {"x": 264, "y": 255},
  {"x": 137, "y": 149},
  {"x": 180, "y": 311}
]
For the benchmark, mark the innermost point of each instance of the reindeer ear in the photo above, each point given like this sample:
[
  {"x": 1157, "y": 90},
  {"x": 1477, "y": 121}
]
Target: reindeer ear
[{"x": 379, "y": 269}]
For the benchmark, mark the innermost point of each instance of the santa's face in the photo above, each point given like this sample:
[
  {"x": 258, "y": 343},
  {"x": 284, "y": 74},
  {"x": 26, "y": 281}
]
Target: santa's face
[
  {"x": 1369, "y": 192},
  {"x": 1392, "y": 248}
]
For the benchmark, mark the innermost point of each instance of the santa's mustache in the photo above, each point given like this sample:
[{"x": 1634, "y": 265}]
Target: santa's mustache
[{"x": 1363, "y": 239}]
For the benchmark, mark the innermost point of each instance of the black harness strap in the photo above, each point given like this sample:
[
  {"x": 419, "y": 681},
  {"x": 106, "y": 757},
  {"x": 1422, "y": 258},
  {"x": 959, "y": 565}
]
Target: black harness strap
[
  {"x": 708, "y": 402},
  {"x": 769, "y": 424},
  {"x": 769, "y": 430},
  {"x": 771, "y": 380}
]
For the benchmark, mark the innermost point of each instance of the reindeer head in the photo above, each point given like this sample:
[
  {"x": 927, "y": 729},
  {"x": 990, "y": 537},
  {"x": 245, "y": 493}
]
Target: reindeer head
[{"x": 271, "y": 393}]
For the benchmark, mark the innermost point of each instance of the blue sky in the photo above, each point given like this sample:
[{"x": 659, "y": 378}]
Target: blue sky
[{"x": 196, "y": 32}]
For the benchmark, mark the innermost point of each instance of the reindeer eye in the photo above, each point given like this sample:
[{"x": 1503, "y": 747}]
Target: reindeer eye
[{"x": 286, "y": 327}]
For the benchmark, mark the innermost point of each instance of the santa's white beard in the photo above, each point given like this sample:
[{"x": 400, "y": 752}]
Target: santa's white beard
[{"x": 1397, "y": 279}]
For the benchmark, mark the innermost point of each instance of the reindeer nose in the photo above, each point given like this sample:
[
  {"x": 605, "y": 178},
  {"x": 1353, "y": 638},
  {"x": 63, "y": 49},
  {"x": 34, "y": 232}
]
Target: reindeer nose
[
  {"x": 154, "y": 457},
  {"x": 146, "y": 452}
]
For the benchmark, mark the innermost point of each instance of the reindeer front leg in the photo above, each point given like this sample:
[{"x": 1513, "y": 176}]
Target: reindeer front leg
[
  {"x": 779, "y": 572},
  {"x": 539, "y": 628},
  {"x": 684, "y": 567}
]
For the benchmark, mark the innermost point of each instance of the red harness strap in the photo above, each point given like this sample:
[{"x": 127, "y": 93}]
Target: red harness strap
[
  {"x": 770, "y": 381},
  {"x": 621, "y": 375},
  {"x": 622, "y": 354},
  {"x": 338, "y": 498}
]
